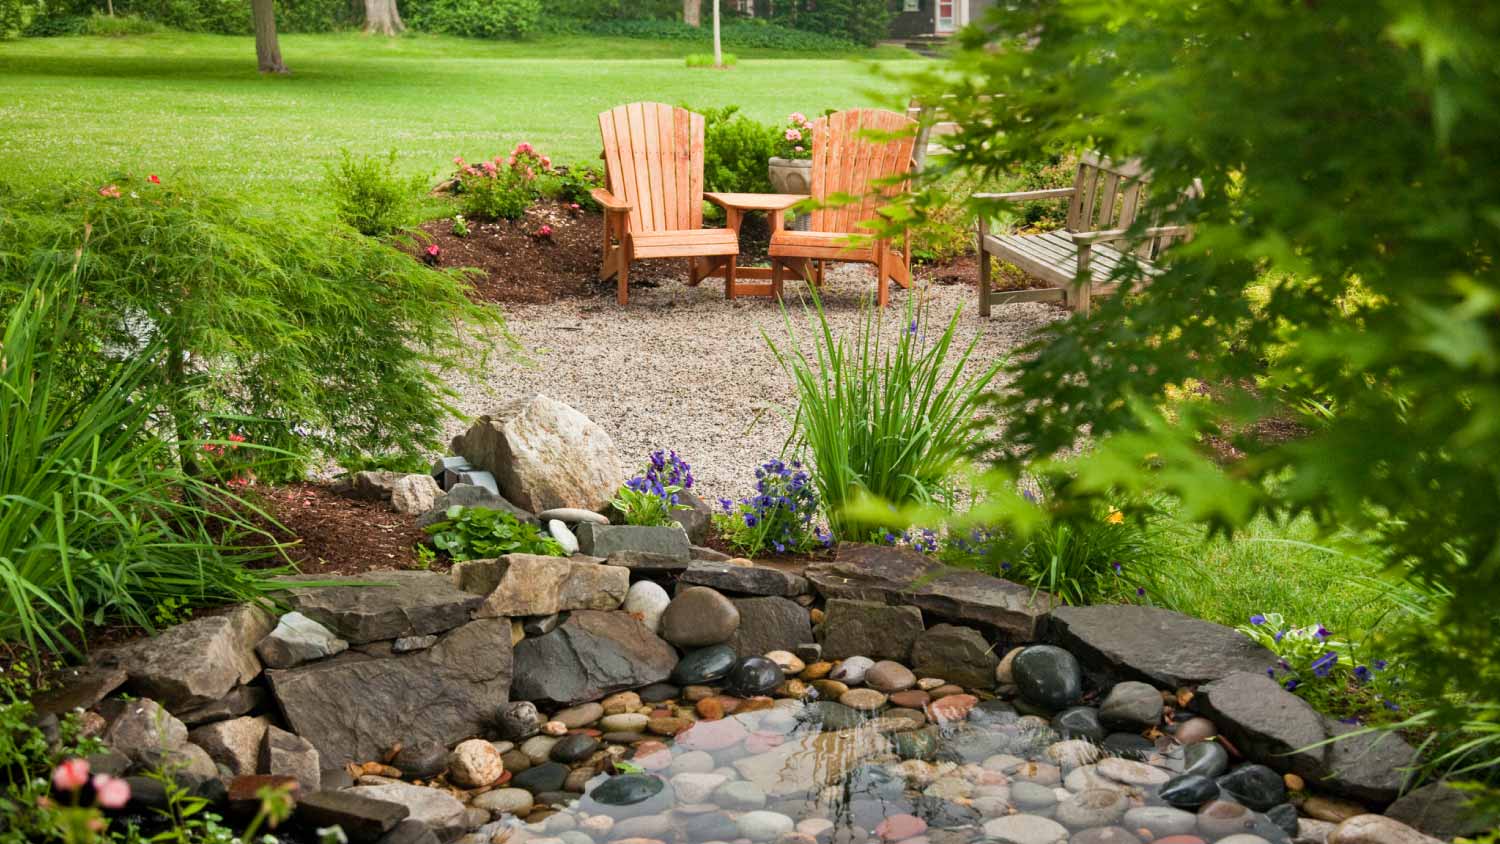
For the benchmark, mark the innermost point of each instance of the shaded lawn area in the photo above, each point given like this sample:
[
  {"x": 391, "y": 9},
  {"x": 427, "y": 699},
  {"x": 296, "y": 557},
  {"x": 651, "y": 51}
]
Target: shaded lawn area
[{"x": 192, "y": 106}]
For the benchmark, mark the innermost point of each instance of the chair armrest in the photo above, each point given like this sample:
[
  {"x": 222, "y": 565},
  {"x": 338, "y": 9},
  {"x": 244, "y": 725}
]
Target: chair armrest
[
  {"x": 1120, "y": 234},
  {"x": 1028, "y": 195},
  {"x": 608, "y": 200}
]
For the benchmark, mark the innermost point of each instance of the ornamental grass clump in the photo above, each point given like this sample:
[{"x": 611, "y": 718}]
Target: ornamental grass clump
[
  {"x": 650, "y": 498},
  {"x": 883, "y": 422},
  {"x": 779, "y": 517}
]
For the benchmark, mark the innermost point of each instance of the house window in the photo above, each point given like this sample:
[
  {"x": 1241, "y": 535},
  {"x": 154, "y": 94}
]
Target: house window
[{"x": 911, "y": 5}]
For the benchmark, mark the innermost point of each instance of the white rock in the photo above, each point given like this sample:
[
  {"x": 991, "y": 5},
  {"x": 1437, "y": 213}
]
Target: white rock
[
  {"x": 297, "y": 639},
  {"x": 647, "y": 601},
  {"x": 511, "y": 801},
  {"x": 762, "y": 825},
  {"x": 414, "y": 494},
  {"x": 852, "y": 670},
  {"x": 572, "y": 516},
  {"x": 695, "y": 788},
  {"x": 475, "y": 764},
  {"x": 564, "y": 537},
  {"x": 437, "y": 809},
  {"x": 1026, "y": 829}
]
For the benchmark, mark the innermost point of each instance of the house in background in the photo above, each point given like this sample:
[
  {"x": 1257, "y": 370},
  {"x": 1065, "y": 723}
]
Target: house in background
[{"x": 933, "y": 18}]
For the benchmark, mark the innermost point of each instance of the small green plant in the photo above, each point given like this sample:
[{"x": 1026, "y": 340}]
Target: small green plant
[
  {"x": 650, "y": 498},
  {"x": 1103, "y": 558},
  {"x": 707, "y": 60},
  {"x": 1326, "y": 671},
  {"x": 369, "y": 196},
  {"x": 170, "y": 612},
  {"x": 736, "y": 151},
  {"x": 780, "y": 516},
  {"x": 479, "y": 533},
  {"x": 574, "y": 185},
  {"x": 425, "y": 557},
  {"x": 460, "y": 226}
]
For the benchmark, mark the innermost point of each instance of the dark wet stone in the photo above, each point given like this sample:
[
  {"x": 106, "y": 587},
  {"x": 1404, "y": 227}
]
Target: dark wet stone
[
  {"x": 1080, "y": 722},
  {"x": 1285, "y": 817},
  {"x": 519, "y": 720},
  {"x": 658, "y": 692},
  {"x": 876, "y": 781},
  {"x": 1208, "y": 758},
  {"x": 627, "y": 789},
  {"x": 943, "y": 814},
  {"x": 421, "y": 760},
  {"x": 1128, "y": 745},
  {"x": 620, "y": 738},
  {"x": 831, "y": 715},
  {"x": 710, "y": 826},
  {"x": 993, "y": 713},
  {"x": 1256, "y": 786},
  {"x": 574, "y": 748},
  {"x": 921, "y": 744},
  {"x": 754, "y": 676},
  {"x": 541, "y": 625},
  {"x": 1188, "y": 791},
  {"x": 704, "y": 665},
  {"x": 1048, "y": 676},
  {"x": 548, "y": 776}
]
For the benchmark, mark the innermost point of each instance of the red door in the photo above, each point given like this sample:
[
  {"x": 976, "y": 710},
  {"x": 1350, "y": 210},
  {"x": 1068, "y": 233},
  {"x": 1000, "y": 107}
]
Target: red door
[{"x": 947, "y": 16}]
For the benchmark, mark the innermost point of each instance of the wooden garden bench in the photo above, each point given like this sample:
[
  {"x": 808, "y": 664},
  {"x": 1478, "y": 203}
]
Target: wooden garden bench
[
  {"x": 1079, "y": 259},
  {"x": 846, "y": 162},
  {"x": 653, "y": 199}
]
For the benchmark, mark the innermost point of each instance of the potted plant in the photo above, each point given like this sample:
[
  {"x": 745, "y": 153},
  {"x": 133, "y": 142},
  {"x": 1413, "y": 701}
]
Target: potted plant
[{"x": 791, "y": 166}]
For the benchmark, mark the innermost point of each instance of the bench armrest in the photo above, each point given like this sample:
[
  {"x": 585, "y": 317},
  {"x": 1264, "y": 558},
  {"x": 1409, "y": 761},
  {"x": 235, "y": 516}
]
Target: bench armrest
[
  {"x": 608, "y": 200},
  {"x": 1027, "y": 195},
  {"x": 1120, "y": 234}
]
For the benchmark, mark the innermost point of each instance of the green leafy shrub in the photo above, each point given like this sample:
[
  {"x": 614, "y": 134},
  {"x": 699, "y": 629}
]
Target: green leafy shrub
[
  {"x": 369, "y": 196},
  {"x": 894, "y": 424},
  {"x": 313, "y": 338},
  {"x": 319, "y": 15},
  {"x": 115, "y": 26},
  {"x": 480, "y": 533},
  {"x": 600, "y": 10},
  {"x": 780, "y": 516},
  {"x": 736, "y": 151},
  {"x": 707, "y": 59},
  {"x": 859, "y": 21},
  {"x": 226, "y": 17},
  {"x": 733, "y": 33},
  {"x": 574, "y": 184},
  {"x": 474, "y": 18},
  {"x": 1330, "y": 673}
]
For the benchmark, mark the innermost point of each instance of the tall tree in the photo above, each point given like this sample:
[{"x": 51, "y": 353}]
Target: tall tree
[
  {"x": 692, "y": 12},
  {"x": 383, "y": 18},
  {"x": 267, "y": 47},
  {"x": 718, "y": 51}
]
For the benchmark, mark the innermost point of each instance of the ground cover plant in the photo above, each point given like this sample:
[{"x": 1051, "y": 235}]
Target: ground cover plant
[
  {"x": 656, "y": 492},
  {"x": 781, "y": 515},
  {"x": 483, "y": 533}
]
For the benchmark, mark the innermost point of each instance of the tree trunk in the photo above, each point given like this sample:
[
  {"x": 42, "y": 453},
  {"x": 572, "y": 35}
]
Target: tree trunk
[
  {"x": 718, "y": 53},
  {"x": 267, "y": 48},
  {"x": 692, "y": 12},
  {"x": 383, "y": 18}
]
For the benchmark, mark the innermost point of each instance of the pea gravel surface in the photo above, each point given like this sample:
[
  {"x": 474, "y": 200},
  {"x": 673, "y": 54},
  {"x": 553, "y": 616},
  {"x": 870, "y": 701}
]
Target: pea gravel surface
[{"x": 683, "y": 368}]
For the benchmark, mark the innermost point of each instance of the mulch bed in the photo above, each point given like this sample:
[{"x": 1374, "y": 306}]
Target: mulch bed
[{"x": 336, "y": 535}]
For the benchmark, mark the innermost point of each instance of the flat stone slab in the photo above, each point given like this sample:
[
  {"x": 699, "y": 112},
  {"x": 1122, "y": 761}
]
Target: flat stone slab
[
  {"x": 770, "y": 623},
  {"x": 362, "y": 817},
  {"x": 197, "y": 662},
  {"x": 902, "y": 576},
  {"x": 590, "y": 655},
  {"x": 604, "y": 540},
  {"x": 529, "y": 584},
  {"x": 79, "y": 688},
  {"x": 746, "y": 580},
  {"x": 1166, "y": 649},
  {"x": 356, "y": 706},
  {"x": 380, "y": 605},
  {"x": 647, "y": 564}
]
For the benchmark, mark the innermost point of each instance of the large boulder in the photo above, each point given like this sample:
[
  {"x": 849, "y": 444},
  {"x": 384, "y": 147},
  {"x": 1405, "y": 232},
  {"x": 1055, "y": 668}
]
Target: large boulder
[
  {"x": 903, "y": 576},
  {"x": 143, "y": 731},
  {"x": 1169, "y": 650},
  {"x": 770, "y": 624},
  {"x": 438, "y": 809},
  {"x": 357, "y": 705},
  {"x": 544, "y": 454},
  {"x": 197, "y": 662},
  {"x": 529, "y": 584},
  {"x": 869, "y": 628},
  {"x": 235, "y": 743},
  {"x": 380, "y": 605},
  {"x": 590, "y": 655},
  {"x": 956, "y": 654}
]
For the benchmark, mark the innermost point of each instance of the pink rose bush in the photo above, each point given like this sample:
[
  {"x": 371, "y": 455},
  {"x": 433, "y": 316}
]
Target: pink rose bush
[
  {"x": 504, "y": 186},
  {"x": 792, "y": 142}
]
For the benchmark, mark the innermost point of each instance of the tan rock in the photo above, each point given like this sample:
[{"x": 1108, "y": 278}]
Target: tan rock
[
  {"x": 529, "y": 584},
  {"x": 544, "y": 454},
  {"x": 1331, "y": 809},
  {"x": 620, "y": 703},
  {"x": 1377, "y": 829}
]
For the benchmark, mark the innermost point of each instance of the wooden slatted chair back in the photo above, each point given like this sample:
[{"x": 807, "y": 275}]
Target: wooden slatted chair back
[
  {"x": 845, "y": 161},
  {"x": 653, "y": 159},
  {"x": 1113, "y": 195}
]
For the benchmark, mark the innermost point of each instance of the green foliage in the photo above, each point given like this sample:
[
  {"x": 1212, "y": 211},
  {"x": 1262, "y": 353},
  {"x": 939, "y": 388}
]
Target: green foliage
[
  {"x": 642, "y": 506},
  {"x": 1331, "y": 673},
  {"x": 27, "y": 757},
  {"x": 860, "y": 21},
  {"x": 14, "y": 16},
  {"x": 311, "y": 337},
  {"x": 1349, "y": 276},
  {"x": 732, "y": 33},
  {"x": 119, "y": 25},
  {"x": 369, "y": 196},
  {"x": 736, "y": 151},
  {"x": 480, "y": 533},
  {"x": 474, "y": 18},
  {"x": 503, "y": 188},
  {"x": 99, "y": 524},
  {"x": 893, "y": 424},
  {"x": 598, "y": 10},
  {"x": 574, "y": 184},
  {"x": 707, "y": 59},
  {"x": 1109, "y": 558},
  {"x": 227, "y": 17}
]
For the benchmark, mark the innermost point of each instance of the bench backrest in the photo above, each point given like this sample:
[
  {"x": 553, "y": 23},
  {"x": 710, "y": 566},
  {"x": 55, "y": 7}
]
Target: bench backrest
[
  {"x": 845, "y": 161},
  {"x": 653, "y": 159},
  {"x": 1112, "y": 195}
]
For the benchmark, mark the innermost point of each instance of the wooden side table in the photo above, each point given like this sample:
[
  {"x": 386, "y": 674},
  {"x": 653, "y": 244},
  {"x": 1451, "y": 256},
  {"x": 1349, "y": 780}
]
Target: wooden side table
[{"x": 736, "y": 206}]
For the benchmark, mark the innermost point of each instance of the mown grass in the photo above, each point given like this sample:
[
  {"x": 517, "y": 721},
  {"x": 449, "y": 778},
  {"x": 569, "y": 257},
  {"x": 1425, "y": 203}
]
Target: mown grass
[{"x": 174, "y": 104}]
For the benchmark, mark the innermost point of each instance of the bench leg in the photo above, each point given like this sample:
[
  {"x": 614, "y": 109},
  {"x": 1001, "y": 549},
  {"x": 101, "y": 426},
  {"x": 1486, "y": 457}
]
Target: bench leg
[
  {"x": 729, "y": 275},
  {"x": 778, "y": 271},
  {"x": 1082, "y": 292},
  {"x": 984, "y": 280},
  {"x": 622, "y": 287}
]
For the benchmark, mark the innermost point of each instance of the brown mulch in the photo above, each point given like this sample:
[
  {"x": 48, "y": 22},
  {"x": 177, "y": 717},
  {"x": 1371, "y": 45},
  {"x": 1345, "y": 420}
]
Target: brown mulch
[
  {"x": 964, "y": 270},
  {"x": 333, "y": 534}
]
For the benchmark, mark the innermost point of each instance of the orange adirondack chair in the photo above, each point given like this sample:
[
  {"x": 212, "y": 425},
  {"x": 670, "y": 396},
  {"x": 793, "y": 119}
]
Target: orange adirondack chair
[
  {"x": 847, "y": 162},
  {"x": 653, "y": 205}
]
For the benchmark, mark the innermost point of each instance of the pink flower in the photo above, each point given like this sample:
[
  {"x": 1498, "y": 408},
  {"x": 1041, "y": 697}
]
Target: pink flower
[
  {"x": 511, "y": 161},
  {"x": 111, "y": 792},
  {"x": 154, "y": 179},
  {"x": 793, "y": 135},
  {"x": 798, "y": 117},
  {"x": 458, "y": 160},
  {"x": 489, "y": 168},
  {"x": 546, "y": 163},
  {"x": 798, "y": 147},
  {"x": 544, "y": 231},
  {"x": 433, "y": 250},
  {"x": 573, "y": 206},
  {"x": 110, "y": 191},
  {"x": 71, "y": 775},
  {"x": 523, "y": 147}
]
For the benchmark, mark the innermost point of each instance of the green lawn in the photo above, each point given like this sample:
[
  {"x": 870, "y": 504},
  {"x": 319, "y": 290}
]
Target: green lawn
[{"x": 192, "y": 105}]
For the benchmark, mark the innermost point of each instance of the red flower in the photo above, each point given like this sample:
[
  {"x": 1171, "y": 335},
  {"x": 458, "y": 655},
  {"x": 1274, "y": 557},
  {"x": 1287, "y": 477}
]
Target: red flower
[
  {"x": 433, "y": 250},
  {"x": 110, "y": 192},
  {"x": 154, "y": 179},
  {"x": 544, "y": 231},
  {"x": 71, "y": 775}
]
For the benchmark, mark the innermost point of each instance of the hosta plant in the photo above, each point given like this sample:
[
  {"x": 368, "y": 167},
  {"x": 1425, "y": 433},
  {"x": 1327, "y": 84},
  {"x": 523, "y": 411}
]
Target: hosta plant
[{"x": 480, "y": 533}]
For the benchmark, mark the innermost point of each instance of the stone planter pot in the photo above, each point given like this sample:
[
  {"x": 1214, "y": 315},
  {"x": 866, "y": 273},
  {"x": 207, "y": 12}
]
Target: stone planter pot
[{"x": 792, "y": 175}]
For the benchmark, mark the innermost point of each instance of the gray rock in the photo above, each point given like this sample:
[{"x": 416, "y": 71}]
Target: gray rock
[
  {"x": 362, "y": 817},
  {"x": 696, "y": 519},
  {"x": 480, "y": 478},
  {"x": 1026, "y": 829},
  {"x": 355, "y": 706},
  {"x": 469, "y": 495},
  {"x": 709, "y": 555},
  {"x": 956, "y": 654},
  {"x": 411, "y": 644},
  {"x": 191, "y": 766},
  {"x": 1267, "y": 723},
  {"x": 1439, "y": 810},
  {"x": 607, "y": 540},
  {"x": 590, "y": 655},
  {"x": 868, "y": 628},
  {"x": 413, "y": 495},
  {"x": 1368, "y": 767},
  {"x": 698, "y": 617},
  {"x": 1092, "y": 807},
  {"x": 1161, "y": 821},
  {"x": 529, "y": 584},
  {"x": 644, "y": 564},
  {"x": 297, "y": 639},
  {"x": 380, "y": 605},
  {"x": 769, "y": 624},
  {"x": 572, "y": 516},
  {"x": 505, "y": 801},
  {"x": 239, "y": 701},
  {"x": 439, "y": 810},
  {"x": 564, "y": 537},
  {"x": 411, "y": 831},
  {"x": 373, "y": 485},
  {"x": 745, "y": 580},
  {"x": 647, "y": 601},
  {"x": 903, "y": 576},
  {"x": 197, "y": 662},
  {"x": 1132, "y": 705},
  {"x": 79, "y": 687},
  {"x": 287, "y": 755},
  {"x": 143, "y": 731},
  {"x": 442, "y": 466},
  {"x": 235, "y": 743},
  {"x": 1376, "y": 829},
  {"x": 519, "y": 720},
  {"x": 541, "y": 625},
  {"x": 1166, "y": 649},
  {"x": 544, "y": 455}
]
